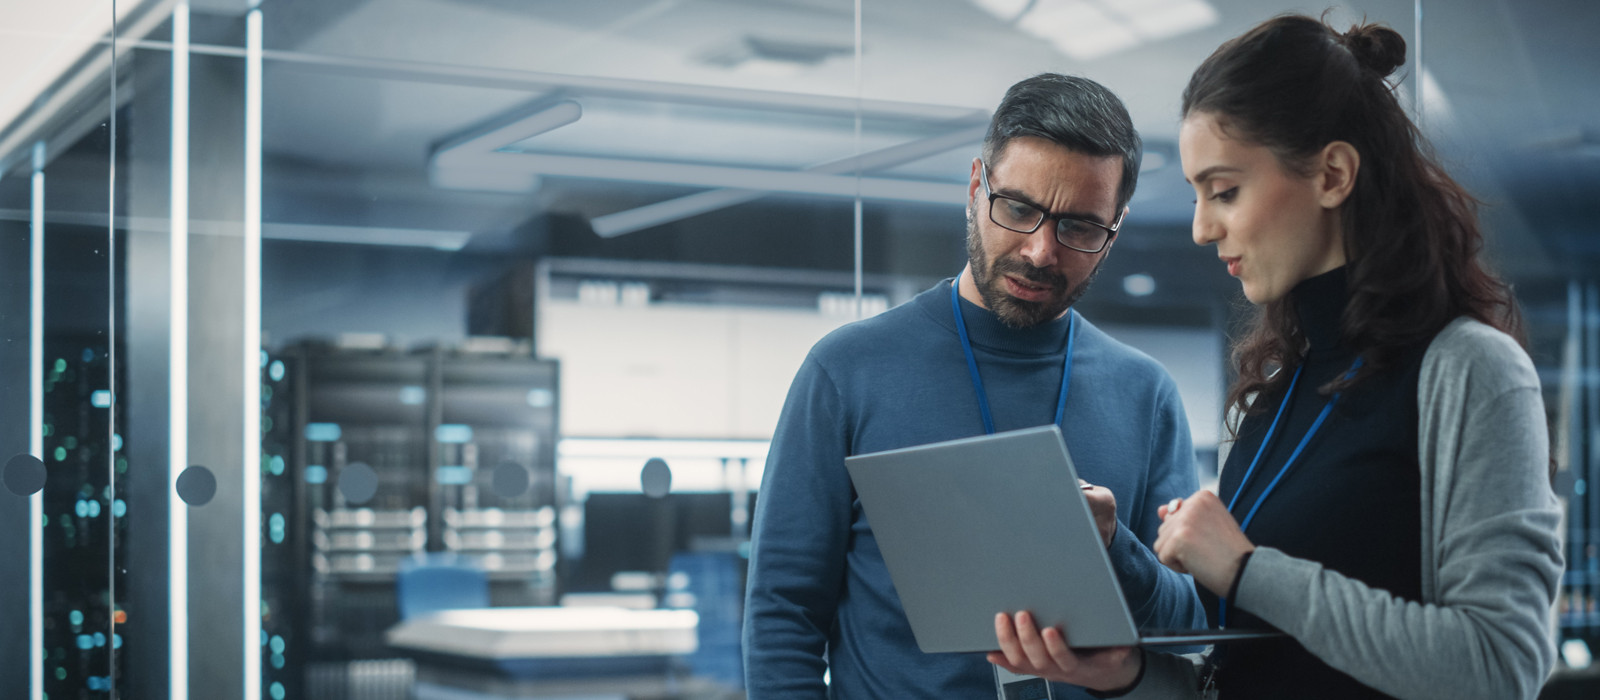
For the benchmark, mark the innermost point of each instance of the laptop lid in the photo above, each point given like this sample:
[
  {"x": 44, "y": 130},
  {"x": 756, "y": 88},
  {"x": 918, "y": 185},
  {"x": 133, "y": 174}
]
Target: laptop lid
[{"x": 972, "y": 527}]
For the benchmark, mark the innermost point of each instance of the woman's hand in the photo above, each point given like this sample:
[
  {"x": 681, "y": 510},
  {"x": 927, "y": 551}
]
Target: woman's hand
[
  {"x": 1199, "y": 536},
  {"x": 1027, "y": 651}
]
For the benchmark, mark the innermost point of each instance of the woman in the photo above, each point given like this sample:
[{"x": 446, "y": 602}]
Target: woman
[{"x": 1386, "y": 503}]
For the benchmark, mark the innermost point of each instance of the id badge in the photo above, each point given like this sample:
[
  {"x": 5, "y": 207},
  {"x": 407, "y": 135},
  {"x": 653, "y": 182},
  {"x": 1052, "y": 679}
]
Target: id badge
[{"x": 1010, "y": 686}]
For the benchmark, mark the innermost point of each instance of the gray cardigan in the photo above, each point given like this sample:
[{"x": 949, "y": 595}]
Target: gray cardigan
[{"x": 1491, "y": 549}]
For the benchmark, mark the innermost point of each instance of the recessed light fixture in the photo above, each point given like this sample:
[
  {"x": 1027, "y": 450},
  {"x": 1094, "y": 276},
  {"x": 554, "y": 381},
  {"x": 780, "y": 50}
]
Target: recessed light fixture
[
  {"x": 1139, "y": 285},
  {"x": 1089, "y": 29}
]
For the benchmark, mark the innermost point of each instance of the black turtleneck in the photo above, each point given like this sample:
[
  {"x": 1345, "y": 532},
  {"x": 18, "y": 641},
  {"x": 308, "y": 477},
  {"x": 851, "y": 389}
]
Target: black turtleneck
[{"x": 1350, "y": 501}]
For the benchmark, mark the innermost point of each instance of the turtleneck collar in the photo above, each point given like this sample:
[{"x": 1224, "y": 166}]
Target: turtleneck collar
[
  {"x": 987, "y": 331},
  {"x": 1319, "y": 304}
]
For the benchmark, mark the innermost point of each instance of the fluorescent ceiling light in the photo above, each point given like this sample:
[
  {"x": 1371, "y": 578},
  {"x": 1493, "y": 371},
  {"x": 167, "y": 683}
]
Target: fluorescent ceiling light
[{"x": 1089, "y": 29}]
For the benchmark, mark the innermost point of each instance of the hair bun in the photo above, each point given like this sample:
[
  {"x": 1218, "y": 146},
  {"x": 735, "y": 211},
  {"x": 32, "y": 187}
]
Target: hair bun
[{"x": 1376, "y": 47}]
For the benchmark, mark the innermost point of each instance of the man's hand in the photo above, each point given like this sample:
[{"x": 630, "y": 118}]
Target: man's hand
[
  {"x": 1026, "y": 651},
  {"x": 1199, "y": 536},
  {"x": 1103, "y": 504}
]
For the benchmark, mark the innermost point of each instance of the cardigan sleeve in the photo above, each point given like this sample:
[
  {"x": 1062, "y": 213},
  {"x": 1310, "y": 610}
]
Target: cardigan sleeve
[{"x": 1491, "y": 546}]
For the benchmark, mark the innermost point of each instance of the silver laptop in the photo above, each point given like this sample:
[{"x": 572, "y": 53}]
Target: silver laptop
[{"x": 998, "y": 523}]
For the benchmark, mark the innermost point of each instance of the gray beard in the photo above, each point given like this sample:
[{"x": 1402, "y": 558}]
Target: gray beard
[{"x": 1014, "y": 312}]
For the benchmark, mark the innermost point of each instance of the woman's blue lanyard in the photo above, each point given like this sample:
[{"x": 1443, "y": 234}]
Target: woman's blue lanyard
[
  {"x": 1222, "y": 602},
  {"x": 972, "y": 363}
]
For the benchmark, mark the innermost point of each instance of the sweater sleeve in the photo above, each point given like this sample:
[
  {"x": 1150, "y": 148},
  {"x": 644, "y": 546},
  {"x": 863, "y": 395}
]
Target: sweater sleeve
[
  {"x": 1492, "y": 552},
  {"x": 798, "y": 542},
  {"x": 1158, "y": 596}
]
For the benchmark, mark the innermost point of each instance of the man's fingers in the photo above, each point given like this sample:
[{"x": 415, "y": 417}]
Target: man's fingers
[{"x": 1032, "y": 645}]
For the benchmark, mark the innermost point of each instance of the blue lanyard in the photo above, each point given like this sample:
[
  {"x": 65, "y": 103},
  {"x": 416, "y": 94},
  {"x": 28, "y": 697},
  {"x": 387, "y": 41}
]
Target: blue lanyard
[
  {"x": 1222, "y": 602},
  {"x": 972, "y": 363}
]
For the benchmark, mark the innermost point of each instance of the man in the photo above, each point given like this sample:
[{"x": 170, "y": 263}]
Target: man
[{"x": 1058, "y": 166}]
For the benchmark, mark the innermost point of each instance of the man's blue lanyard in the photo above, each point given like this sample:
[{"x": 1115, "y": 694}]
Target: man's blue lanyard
[
  {"x": 1222, "y": 602},
  {"x": 972, "y": 363}
]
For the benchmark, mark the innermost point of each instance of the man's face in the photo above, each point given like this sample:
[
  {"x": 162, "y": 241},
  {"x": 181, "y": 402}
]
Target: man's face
[{"x": 1030, "y": 278}]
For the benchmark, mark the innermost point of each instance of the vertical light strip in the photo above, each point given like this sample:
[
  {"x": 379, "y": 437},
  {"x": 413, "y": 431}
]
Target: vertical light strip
[
  {"x": 178, "y": 367},
  {"x": 1416, "y": 83},
  {"x": 252, "y": 356},
  {"x": 858, "y": 236},
  {"x": 111, "y": 364},
  {"x": 36, "y": 430}
]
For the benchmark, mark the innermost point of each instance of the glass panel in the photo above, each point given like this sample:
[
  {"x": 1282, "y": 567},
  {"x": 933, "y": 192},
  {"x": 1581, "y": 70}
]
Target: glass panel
[{"x": 62, "y": 508}]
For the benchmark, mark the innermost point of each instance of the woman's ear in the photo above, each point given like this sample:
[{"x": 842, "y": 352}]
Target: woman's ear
[{"x": 1337, "y": 168}]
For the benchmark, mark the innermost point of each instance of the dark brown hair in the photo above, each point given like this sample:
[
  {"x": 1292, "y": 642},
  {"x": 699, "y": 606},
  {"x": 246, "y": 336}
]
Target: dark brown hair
[
  {"x": 1071, "y": 111},
  {"x": 1410, "y": 232}
]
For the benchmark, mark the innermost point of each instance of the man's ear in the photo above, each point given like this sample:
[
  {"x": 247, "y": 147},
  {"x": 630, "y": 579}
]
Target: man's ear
[
  {"x": 974, "y": 183},
  {"x": 1337, "y": 168}
]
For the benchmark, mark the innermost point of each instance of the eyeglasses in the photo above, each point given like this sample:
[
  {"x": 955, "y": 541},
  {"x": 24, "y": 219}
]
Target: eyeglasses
[{"x": 1016, "y": 215}]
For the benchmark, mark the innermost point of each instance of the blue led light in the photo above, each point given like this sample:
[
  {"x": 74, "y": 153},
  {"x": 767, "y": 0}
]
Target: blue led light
[
  {"x": 116, "y": 641},
  {"x": 541, "y": 398},
  {"x": 264, "y": 358},
  {"x": 316, "y": 474},
  {"x": 276, "y": 521},
  {"x": 277, "y": 691},
  {"x": 413, "y": 395},
  {"x": 453, "y": 433},
  {"x": 278, "y": 661},
  {"x": 323, "y": 432},
  {"x": 453, "y": 475},
  {"x": 99, "y": 639},
  {"x": 100, "y": 399},
  {"x": 1581, "y": 487},
  {"x": 82, "y": 509},
  {"x": 76, "y": 617},
  {"x": 276, "y": 371},
  {"x": 263, "y": 637},
  {"x": 61, "y": 454},
  {"x": 116, "y": 442},
  {"x": 88, "y": 355},
  {"x": 275, "y": 465},
  {"x": 277, "y": 644},
  {"x": 94, "y": 509},
  {"x": 119, "y": 508},
  {"x": 85, "y": 642}
]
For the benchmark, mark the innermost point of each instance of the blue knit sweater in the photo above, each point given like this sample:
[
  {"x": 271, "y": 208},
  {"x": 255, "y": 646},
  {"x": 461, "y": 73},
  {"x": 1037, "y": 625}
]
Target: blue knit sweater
[{"x": 819, "y": 594}]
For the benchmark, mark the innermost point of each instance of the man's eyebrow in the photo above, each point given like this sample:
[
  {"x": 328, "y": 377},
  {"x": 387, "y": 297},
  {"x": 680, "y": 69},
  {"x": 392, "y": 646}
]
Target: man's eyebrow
[
  {"x": 1210, "y": 172},
  {"x": 1083, "y": 215}
]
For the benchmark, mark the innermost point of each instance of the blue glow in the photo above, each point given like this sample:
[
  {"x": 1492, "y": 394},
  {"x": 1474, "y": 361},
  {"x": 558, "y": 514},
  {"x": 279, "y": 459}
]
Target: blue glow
[
  {"x": 95, "y": 683},
  {"x": 277, "y": 644},
  {"x": 323, "y": 432},
  {"x": 276, "y": 371},
  {"x": 119, "y": 508},
  {"x": 263, "y": 637},
  {"x": 264, "y": 358},
  {"x": 94, "y": 509},
  {"x": 453, "y": 433},
  {"x": 278, "y": 661},
  {"x": 316, "y": 474},
  {"x": 85, "y": 641},
  {"x": 88, "y": 355},
  {"x": 1580, "y": 487},
  {"x": 276, "y": 521},
  {"x": 275, "y": 465},
  {"x": 413, "y": 395},
  {"x": 76, "y": 617},
  {"x": 61, "y": 454},
  {"x": 453, "y": 475},
  {"x": 82, "y": 509},
  {"x": 277, "y": 691},
  {"x": 99, "y": 639},
  {"x": 541, "y": 398},
  {"x": 116, "y": 442},
  {"x": 100, "y": 399},
  {"x": 116, "y": 641}
]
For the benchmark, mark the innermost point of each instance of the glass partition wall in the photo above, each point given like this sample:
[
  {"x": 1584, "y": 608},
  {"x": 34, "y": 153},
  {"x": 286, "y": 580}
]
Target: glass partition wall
[{"x": 320, "y": 317}]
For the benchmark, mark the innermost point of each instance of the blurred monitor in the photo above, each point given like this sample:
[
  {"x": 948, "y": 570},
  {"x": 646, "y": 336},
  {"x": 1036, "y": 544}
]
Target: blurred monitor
[{"x": 634, "y": 532}]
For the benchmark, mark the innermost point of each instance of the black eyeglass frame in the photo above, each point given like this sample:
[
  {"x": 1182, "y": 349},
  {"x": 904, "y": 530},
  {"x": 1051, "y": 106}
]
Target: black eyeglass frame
[{"x": 1111, "y": 231}]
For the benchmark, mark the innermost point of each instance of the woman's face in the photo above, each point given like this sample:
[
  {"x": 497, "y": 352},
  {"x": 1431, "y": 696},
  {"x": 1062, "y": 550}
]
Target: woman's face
[{"x": 1270, "y": 225}]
